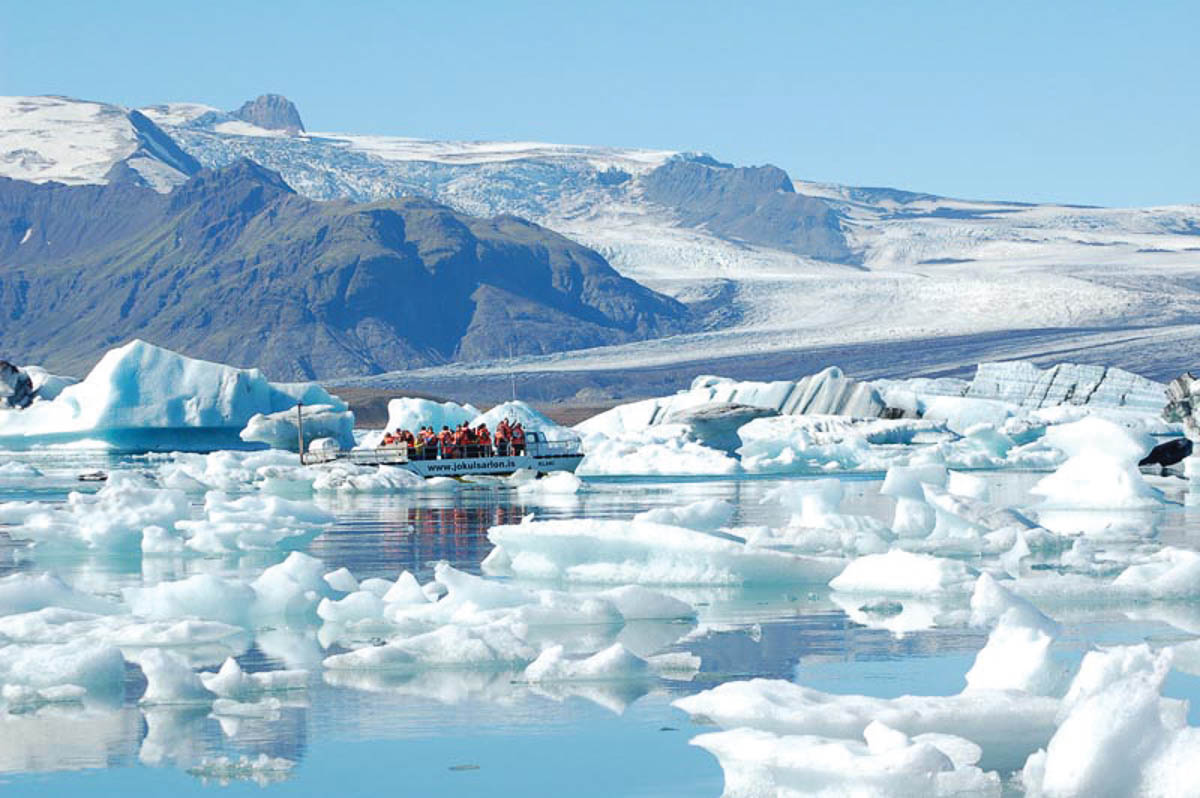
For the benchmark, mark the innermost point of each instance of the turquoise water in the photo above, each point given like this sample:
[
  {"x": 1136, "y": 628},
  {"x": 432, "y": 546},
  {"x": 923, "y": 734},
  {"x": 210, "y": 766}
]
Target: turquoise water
[{"x": 469, "y": 733}]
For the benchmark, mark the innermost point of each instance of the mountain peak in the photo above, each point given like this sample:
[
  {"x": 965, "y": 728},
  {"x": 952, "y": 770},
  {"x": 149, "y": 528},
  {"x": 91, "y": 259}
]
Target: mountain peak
[
  {"x": 243, "y": 183},
  {"x": 272, "y": 112}
]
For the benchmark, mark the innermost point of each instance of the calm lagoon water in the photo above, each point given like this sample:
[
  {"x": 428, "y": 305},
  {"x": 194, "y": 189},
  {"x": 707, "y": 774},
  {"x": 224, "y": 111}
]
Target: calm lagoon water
[{"x": 468, "y": 733}]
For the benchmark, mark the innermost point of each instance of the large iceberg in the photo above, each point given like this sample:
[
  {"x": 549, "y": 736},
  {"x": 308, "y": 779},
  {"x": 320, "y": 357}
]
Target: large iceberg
[
  {"x": 143, "y": 397},
  {"x": 827, "y": 392},
  {"x": 1000, "y": 389}
]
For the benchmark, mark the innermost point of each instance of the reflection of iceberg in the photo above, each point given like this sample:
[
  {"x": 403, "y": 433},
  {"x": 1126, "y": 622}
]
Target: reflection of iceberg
[
  {"x": 899, "y": 616},
  {"x": 68, "y": 738}
]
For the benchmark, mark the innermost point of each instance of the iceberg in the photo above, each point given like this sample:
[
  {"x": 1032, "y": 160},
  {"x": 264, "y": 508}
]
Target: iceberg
[
  {"x": 828, "y": 392},
  {"x": 281, "y": 430},
  {"x": 1117, "y": 735},
  {"x": 141, "y": 397},
  {"x": 1101, "y": 469},
  {"x": 412, "y": 413}
]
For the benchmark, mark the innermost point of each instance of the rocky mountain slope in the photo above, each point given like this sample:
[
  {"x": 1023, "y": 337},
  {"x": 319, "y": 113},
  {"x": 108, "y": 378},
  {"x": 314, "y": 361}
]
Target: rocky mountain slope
[
  {"x": 777, "y": 270},
  {"x": 234, "y": 266}
]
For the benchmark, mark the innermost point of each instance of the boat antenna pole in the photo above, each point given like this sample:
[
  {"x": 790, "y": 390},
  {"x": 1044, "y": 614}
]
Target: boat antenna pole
[
  {"x": 512, "y": 375},
  {"x": 300, "y": 428}
]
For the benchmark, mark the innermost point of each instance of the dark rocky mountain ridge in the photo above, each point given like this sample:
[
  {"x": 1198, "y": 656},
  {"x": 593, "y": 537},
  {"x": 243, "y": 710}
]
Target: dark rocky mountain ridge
[
  {"x": 272, "y": 112},
  {"x": 234, "y": 266}
]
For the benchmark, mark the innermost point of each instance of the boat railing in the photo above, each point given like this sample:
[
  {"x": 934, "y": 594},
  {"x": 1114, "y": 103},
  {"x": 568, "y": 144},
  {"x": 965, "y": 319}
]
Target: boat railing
[{"x": 398, "y": 454}]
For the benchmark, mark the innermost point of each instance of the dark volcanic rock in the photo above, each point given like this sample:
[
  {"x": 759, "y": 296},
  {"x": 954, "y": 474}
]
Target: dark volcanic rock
[
  {"x": 234, "y": 266},
  {"x": 755, "y": 204},
  {"x": 16, "y": 388},
  {"x": 1168, "y": 453},
  {"x": 271, "y": 111}
]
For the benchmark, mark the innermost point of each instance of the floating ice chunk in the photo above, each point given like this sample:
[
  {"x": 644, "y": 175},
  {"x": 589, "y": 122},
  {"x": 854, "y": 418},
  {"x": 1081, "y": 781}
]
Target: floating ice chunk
[
  {"x": 252, "y": 522},
  {"x": 232, "y": 682},
  {"x": 799, "y": 445},
  {"x": 1118, "y": 736},
  {"x": 905, "y": 574},
  {"x": 1168, "y": 573},
  {"x": 1007, "y": 725},
  {"x": 281, "y": 431},
  {"x": 405, "y": 591},
  {"x": 633, "y": 552},
  {"x": 968, "y": 485},
  {"x": 169, "y": 679},
  {"x": 704, "y": 515},
  {"x": 637, "y": 603},
  {"x": 347, "y": 478},
  {"x": 446, "y": 647},
  {"x": 99, "y": 668},
  {"x": 991, "y": 600},
  {"x": 358, "y": 606},
  {"x": 142, "y": 396},
  {"x": 1101, "y": 468},
  {"x": 24, "y": 592},
  {"x": 558, "y": 483},
  {"x": 200, "y": 596},
  {"x": 760, "y": 763},
  {"x": 291, "y": 589},
  {"x": 341, "y": 580},
  {"x": 156, "y": 540},
  {"x": 1016, "y": 657},
  {"x": 113, "y": 518},
  {"x": 614, "y": 662},
  {"x": 665, "y": 450}
]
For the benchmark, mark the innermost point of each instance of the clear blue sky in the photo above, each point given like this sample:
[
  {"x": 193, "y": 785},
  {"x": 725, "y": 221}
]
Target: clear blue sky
[{"x": 1087, "y": 102}]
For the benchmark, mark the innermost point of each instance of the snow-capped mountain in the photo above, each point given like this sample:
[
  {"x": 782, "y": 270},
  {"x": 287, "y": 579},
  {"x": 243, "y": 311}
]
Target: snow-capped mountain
[
  {"x": 59, "y": 139},
  {"x": 779, "y": 267}
]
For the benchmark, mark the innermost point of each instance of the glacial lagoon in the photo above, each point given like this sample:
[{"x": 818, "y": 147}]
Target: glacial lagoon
[{"x": 489, "y": 730}]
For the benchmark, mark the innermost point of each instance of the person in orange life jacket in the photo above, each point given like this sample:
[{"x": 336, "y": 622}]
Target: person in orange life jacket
[
  {"x": 503, "y": 433},
  {"x": 445, "y": 438},
  {"x": 518, "y": 438},
  {"x": 485, "y": 439}
]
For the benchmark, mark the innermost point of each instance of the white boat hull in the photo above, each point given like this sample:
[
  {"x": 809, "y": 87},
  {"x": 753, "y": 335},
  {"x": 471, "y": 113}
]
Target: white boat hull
[{"x": 493, "y": 466}]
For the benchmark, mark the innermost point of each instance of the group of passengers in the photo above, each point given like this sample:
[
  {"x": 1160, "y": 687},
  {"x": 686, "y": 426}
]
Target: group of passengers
[{"x": 462, "y": 441}]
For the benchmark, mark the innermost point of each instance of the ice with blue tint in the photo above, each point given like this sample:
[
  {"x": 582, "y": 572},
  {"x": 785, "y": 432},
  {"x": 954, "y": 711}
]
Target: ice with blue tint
[
  {"x": 140, "y": 396},
  {"x": 985, "y": 603}
]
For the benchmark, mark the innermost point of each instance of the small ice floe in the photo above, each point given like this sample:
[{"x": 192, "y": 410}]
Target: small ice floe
[
  {"x": 480, "y": 624},
  {"x": 704, "y": 515},
  {"x": 884, "y": 762},
  {"x": 641, "y": 552},
  {"x": 132, "y": 512},
  {"x": 557, "y": 483},
  {"x": 902, "y": 573},
  {"x": 232, "y": 682}
]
